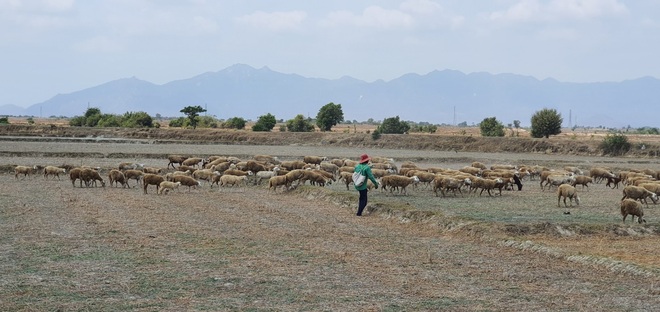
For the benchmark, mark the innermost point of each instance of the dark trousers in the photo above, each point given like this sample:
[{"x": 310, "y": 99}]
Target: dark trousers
[{"x": 363, "y": 201}]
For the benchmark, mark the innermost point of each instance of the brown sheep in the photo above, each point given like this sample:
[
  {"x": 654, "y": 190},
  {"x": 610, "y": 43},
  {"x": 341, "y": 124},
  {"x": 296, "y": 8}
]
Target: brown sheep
[
  {"x": 151, "y": 179},
  {"x": 206, "y": 175},
  {"x": 175, "y": 159},
  {"x": 117, "y": 177},
  {"x": 479, "y": 165},
  {"x": 133, "y": 174},
  {"x": 90, "y": 176},
  {"x": 397, "y": 181},
  {"x": 267, "y": 159},
  {"x": 598, "y": 174},
  {"x": 74, "y": 174},
  {"x": 232, "y": 180},
  {"x": 52, "y": 170},
  {"x": 639, "y": 193},
  {"x": 192, "y": 162},
  {"x": 186, "y": 181},
  {"x": 128, "y": 165},
  {"x": 152, "y": 170},
  {"x": 567, "y": 191},
  {"x": 489, "y": 184},
  {"x": 314, "y": 159},
  {"x": 277, "y": 181},
  {"x": 292, "y": 165},
  {"x": 582, "y": 180},
  {"x": 255, "y": 166},
  {"x": 633, "y": 208}
]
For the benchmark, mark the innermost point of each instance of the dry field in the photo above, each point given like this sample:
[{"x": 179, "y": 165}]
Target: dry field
[{"x": 111, "y": 249}]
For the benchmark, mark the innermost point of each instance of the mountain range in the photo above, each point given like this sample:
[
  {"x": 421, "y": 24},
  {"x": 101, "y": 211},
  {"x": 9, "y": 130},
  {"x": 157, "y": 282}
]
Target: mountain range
[{"x": 438, "y": 97}]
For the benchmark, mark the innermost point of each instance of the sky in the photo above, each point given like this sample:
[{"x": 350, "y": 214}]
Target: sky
[{"x": 50, "y": 47}]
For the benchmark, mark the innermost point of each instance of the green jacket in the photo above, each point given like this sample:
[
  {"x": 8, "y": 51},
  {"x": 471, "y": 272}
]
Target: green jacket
[{"x": 366, "y": 171}]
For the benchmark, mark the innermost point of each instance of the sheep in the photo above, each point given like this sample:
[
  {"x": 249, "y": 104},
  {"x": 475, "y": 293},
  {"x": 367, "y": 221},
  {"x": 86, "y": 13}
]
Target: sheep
[
  {"x": 206, "y": 175},
  {"x": 330, "y": 167},
  {"x": 255, "y": 166},
  {"x": 506, "y": 167},
  {"x": 186, "y": 181},
  {"x": 231, "y": 180},
  {"x": 267, "y": 159},
  {"x": 220, "y": 166},
  {"x": 489, "y": 184},
  {"x": 555, "y": 179},
  {"x": 314, "y": 159},
  {"x": 238, "y": 172},
  {"x": 294, "y": 175},
  {"x": 316, "y": 176},
  {"x": 347, "y": 177},
  {"x": 567, "y": 191},
  {"x": 471, "y": 170},
  {"x": 396, "y": 181},
  {"x": 444, "y": 183},
  {"x": 167, "y": 185},
  {"x": 52, "y": 170},
  {"x": 74, "y": 174},
  {"x": 133, "y": 174},
  {"x": 639, "y": 193},
  {"x": 265, "y": 175},
  {"x": 152, "y": 170},
  {"x": 192, "y": 162},
  {"x": 613, "y": 182},
  {"x": 479, "y": 165},
  {"x": 582, "y": 180},
  {"x": 151, "y": 179},
  {"x": 175, "y": 159},
  {"x": 653, "y": 187},
  {"x": 292, "y": 165},
  {"x": 90, "y": 175},
  {"x": 633, "y": 208},
  {"x": 24, "y": 170},
  {"x": 115, "y": 176},
  {"x": 128, "y": 165},
  {"x": 598, "y": 174},
  {"x": 186, "y": 168},
  {"x": 574, "y": 170},
  {"x": 277, "y": 181}
]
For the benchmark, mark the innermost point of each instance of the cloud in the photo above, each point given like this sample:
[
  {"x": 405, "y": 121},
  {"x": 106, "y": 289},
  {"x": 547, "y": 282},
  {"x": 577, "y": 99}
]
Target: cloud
[
  {"x": 425, "y": 7},
  {"x": 373, "y": 17},
  {"x": 274, "y": 21},
  {"x": 537, "y": 10},
  {"x": 99, "y": 44}
]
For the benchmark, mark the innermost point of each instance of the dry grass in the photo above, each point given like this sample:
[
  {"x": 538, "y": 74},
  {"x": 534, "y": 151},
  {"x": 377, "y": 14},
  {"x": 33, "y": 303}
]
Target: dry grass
[{"x": 70, "y": 248}]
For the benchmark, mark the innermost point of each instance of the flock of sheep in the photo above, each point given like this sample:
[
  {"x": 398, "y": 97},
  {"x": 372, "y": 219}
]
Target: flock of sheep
[{"x": 193, "y": 172}]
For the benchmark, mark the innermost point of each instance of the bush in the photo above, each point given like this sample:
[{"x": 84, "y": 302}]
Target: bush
[
  {"x": 299, "y": 124},
  {"x": 393, "y": 125},
  {"x": 375, "y": 135},
  {"x": 265, "y": 123},
  {"x": 615, "y": 144},
  {"x": 4, "y": 120},
  {"x": 179, "y": 122},
  {"x": 234, "y": 123},
  {"x": 491, "y": 127}
]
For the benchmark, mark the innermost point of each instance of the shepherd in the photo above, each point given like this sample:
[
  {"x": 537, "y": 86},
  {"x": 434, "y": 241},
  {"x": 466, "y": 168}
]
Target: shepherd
[{"x": 364, "y": 168}]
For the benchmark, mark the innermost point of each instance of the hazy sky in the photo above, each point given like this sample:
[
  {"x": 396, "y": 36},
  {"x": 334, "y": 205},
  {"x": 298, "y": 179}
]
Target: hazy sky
[{"x": 61, "y": 46}]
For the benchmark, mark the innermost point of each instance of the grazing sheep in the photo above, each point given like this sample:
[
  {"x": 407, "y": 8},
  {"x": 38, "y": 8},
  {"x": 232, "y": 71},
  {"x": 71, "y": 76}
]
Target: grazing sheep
[
  {"x": 639, "y": 193},
  {"x": 74, "y": 174},
  {"x": 231, "y": 180},
  {"x": 52, "y": 170},
  {"x": 293, "y": 176},
  {"x": 192, "y": 162},
  {"x": 633, "y": 208},
  {"x": 168, "y": 186},
  {"x": 151, "y": 179},
  {"x": 582, "y": 180},
  {"x": 444, "y": 183},
  {"x": 479, "y": 165},
  {"x": 653, "y": 187},
  {"x": 175, "y": 159},
  {"x": 152, "y": 170},
  {"x": 206, "y": 175},
  {"x": 133, "y": 174},
  {"x": 567, "y": 191},
  {"x": 115, "y": 177},
  {"x": 557, "y": 180},
  {"x": 267, "y": 159},
  {"x": 277, "y": 181},
  {"x": 127, "y": 165},
  {"x": 292, "y": 165},
  {"x": 471, "y": 170},
  {"x": 490, "y": 184},
  {"x": 598, "y": 174},
  {"x": 186, "y": 181},
  {"x": 24, "y": 170},
  {"x": 397, "y": 181},
  {"x": 255, "y": 166},
  {"x": 90, "y": 176},
  {"x": 314, "y": 159}
]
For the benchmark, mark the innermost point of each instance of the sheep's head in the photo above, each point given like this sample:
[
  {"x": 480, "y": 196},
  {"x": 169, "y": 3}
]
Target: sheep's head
[
  {"x": 654, "y": 197},
  {"x": 467, "y": 181},
  {"x": 415, "y": 179}
]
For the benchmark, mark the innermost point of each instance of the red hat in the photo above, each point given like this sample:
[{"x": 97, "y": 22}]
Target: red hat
[{"x": 364, "y": 158}]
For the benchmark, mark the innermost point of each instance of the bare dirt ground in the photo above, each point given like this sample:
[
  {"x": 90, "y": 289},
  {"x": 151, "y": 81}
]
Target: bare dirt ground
[{"x": 109, "y": 249}]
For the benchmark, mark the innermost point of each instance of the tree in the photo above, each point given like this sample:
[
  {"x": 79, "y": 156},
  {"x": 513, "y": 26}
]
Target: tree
[
  {"x": 491, "y": 127},
  {"x": 299, "y": 124},
  {"x": 545, "y": 123},
  {"x": 265, "y": 123},
  {"x": 329, "y": 115},
  {"x": 137, "y": 120},
  {"x": 4, "y": 120},
  {"x": 192, "y": 112},
  {"x": 234, "y": 123},
  {"x": 516, "y": 124},
  {"x": 393, "y": 125}
]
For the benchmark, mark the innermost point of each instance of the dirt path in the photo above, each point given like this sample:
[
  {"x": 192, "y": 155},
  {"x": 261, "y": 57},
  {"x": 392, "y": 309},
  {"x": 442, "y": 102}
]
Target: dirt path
[{"x": 239, "y": 249}]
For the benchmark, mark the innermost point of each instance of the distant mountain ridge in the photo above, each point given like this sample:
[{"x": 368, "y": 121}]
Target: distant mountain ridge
[{"x": 438, "y": 97}]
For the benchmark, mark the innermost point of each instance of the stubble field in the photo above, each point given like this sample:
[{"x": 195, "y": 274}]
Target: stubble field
[{"x": 110, "y": 249}]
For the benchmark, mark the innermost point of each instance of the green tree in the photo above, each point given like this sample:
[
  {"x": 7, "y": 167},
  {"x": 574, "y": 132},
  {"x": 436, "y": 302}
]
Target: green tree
[
  {"x": 393, "y": 125},
  {"x": 110, "y": 120},
  {"x": 265, "y": 123},
  {"x": 193, "y": 112},
  {"x": 545, "y": 123},
  {"x": 329, "y": 115},
  {"x": 299, "y": 124},
  {"x": 178, "y": 122},
  {"x": 491, "y": 127},
  {"x": 4, "y": 120},
  {"x": 207, "y": 122},
  {"x": 235, "y": 123},
  {"x": 92, "y": 111}
]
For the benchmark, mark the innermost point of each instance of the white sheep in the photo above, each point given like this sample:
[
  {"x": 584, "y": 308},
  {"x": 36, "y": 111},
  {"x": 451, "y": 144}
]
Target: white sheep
[
  {"x": 265, "y": 175},
  {"x": 639, "y": 193},
  {"x": 567, "y": 191},
  {"x": 168, "y": 186},
  {"x": 24, "y": 170},
  {"x": 52, "y": 170},
  {"x": 633, "y": 208}
]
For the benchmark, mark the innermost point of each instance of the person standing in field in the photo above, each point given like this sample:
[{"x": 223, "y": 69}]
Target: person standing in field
[{"x": 364, "y": 168}]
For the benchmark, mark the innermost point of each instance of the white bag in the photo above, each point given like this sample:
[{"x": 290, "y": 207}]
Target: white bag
[{"x": 358, "y": 178}]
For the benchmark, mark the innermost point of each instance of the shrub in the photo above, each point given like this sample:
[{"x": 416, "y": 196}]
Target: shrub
[
  {"x": 615, "y": 144},
  {"x": 491, "y": 127},
  {"x": 4, "y": 120},
  {"x": 393, "y": 125}
]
